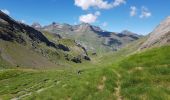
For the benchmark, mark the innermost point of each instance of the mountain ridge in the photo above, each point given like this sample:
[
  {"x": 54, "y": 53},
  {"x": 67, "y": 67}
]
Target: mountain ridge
[{"x": 91, "y": 36}]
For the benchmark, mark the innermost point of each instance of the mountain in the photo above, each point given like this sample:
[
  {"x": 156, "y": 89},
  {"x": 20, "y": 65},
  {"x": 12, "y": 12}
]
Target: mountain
[
  {"x": 36, "y": 25},
  {"x": 93, "y": 38},
  {"x": 22, "y": 45},
  {"x": 160, "y": 35},
  {"x": 130, "y": 34}
]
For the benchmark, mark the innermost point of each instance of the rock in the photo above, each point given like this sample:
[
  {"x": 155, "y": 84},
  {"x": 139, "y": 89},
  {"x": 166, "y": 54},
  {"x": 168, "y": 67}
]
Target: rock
[
  {"x": 63, "y": 47},
  {"x": 79, "y": 72},
  {"x": 87, "y": 58},
  {"x": 94, "y": 54},
  {"x": 76, "y": 60}
]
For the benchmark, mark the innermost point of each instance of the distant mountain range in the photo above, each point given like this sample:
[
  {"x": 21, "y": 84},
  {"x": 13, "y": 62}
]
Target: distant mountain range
[
  {"x": 62, "y": 44},
  {"x": 93, "y": 38}
]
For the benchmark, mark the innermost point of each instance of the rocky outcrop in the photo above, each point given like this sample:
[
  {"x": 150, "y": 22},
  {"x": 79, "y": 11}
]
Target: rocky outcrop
[{"x": 76, "y": 60}]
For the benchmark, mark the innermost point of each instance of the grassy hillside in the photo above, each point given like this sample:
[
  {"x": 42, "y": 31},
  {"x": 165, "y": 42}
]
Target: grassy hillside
[
  {"x": 22, "y": 56},
  {"x": 146, "y": 75},
  {"x": 141, "y": 76}
]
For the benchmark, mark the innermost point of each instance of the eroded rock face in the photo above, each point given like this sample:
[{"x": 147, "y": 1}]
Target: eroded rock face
[
  {"x": 13, "y": 29},
  {"x": 76, "y": 60},
  {"x": 160, "y": 35}
]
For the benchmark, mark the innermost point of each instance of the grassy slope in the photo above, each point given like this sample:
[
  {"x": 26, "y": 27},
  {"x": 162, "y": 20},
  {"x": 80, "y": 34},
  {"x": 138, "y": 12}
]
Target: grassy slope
[
  {"x": 146, "y": 75},
  {"x": 19, "y": 55},
  {"x": 3, "y": 64},
  {"x": 14, "y": 54},
  {"x": 142, "y": 76}
]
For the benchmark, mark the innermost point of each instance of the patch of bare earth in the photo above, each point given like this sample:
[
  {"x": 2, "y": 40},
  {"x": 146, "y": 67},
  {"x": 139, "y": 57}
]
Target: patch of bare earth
[
  {"x": 135, "y": 69},
  {"x": 117, "y": 92}
]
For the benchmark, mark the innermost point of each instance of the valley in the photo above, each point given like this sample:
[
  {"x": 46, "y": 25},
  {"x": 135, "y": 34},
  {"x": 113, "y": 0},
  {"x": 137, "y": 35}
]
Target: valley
[{"x": 82, "y": 62}]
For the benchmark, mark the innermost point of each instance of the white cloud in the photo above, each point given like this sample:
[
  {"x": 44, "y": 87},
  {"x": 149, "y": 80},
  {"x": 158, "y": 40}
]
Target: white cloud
[
  {"x": 101, "y": 4},
  {"x": 89, "y": 18},
  {"x": 133, "y": 11},
  {"x": 104, "y": 24},
  {"x": 145, "y": 13},
  {"x": 5, "y": 11},
  {"x": 118, "y": 2}
]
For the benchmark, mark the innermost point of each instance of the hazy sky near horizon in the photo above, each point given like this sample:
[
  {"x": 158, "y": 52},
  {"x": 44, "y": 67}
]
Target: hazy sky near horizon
[{"x": 140, "y": 16}]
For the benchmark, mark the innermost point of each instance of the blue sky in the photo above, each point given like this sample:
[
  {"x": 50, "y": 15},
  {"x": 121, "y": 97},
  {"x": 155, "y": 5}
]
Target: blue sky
[{"x": 140, "y": 16}]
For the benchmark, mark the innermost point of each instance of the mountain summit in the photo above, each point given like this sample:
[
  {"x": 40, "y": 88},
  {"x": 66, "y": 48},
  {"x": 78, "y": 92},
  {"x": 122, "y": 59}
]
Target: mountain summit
[
  {"x": 85, "y": 27},
  {"x": 36, "y": 25}
]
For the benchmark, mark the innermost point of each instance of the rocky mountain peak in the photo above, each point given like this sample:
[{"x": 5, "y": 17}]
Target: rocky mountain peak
[
  {"x": 36, "y": 25},
  {"x": 127, "y": 32},
  {"x": 85, "y": 27}
]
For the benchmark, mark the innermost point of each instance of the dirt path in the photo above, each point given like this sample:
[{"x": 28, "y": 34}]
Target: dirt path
[
  {"x": 118, "y": 88},
  {"x": 101, "y": 85}
]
